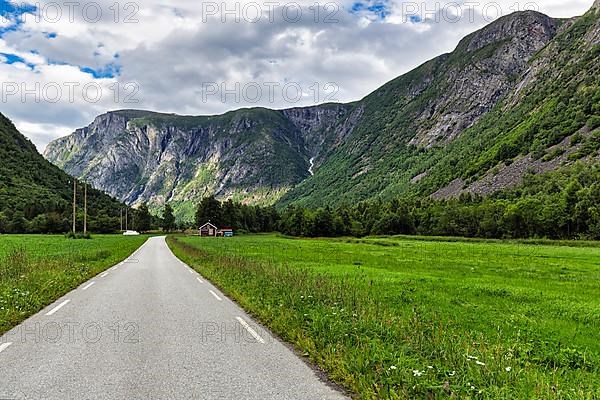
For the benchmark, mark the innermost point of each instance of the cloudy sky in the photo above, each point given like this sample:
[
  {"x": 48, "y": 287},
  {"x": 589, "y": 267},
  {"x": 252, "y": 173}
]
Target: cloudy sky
[{"x": 63, "y": 63}]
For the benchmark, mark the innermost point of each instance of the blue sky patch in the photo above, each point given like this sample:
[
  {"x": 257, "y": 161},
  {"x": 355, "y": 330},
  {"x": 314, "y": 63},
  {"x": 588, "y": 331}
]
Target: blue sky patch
[
  {"x": 13, "y": 13},
  {"x": 380, "y": 9},
  {"x": 11, "y": 58},
  {"x": 14, "y": 59},
  {"x": 111, "y": 70}
]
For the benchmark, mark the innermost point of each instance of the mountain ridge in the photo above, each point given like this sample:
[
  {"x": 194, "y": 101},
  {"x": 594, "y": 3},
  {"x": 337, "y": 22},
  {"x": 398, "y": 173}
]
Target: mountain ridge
[{"x": 387, "y": 144}]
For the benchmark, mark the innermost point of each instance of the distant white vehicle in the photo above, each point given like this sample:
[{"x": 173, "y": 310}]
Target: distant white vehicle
[{"x": 131, "y": 233}]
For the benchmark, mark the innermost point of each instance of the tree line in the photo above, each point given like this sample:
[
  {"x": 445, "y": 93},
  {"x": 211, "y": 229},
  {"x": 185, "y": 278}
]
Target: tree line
[
  {"x": 46, "y": 214},
  {"x": 564, "y": 204}
]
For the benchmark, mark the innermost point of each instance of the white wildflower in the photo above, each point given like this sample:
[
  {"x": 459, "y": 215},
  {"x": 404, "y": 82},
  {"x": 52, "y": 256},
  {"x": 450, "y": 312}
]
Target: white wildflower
[
  {"x": 416, "y": 372},
  {"x": 508, "y": 369},
  {"x": 452, "y": 373},
  {"x": 479, "y": 363},
  {"x": 393, "y": 367}
]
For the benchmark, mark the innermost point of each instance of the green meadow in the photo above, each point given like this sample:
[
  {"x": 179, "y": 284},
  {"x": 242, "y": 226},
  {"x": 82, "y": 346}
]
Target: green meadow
[
  {"x": 35, "y": 270},
  {"x": 416, "y": 318}
]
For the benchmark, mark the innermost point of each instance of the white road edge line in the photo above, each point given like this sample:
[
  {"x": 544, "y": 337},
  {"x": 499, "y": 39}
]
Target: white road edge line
[
  {"x": 200, "y": 280},
  {"x": 4, "y": 346},
  {"x": 103, "y": 275},
  {"x": 250, "y": 330},
  {"x": 191, "y": 272},
  {"x": 216, "y": 295},
  {"x": 89, "y": 285},
  {"x": 58, "y": 307}
]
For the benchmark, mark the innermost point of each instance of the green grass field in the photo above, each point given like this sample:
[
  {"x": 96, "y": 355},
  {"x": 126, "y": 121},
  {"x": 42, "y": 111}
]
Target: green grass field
[
  {"x": 35, "y": 270},
  {"x": 401, "y": 318}
]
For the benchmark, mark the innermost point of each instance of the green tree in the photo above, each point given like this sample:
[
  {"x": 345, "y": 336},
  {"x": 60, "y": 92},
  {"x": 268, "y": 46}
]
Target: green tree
[
  {"x": 209, "y": 210},
  {"x": 168, "y": 219},
  {"x": 394, "y": 224},
  {"x": 3, "y": 222},
  {"x": 143, "y": 219},
  {"x": 230, "y": 215}
]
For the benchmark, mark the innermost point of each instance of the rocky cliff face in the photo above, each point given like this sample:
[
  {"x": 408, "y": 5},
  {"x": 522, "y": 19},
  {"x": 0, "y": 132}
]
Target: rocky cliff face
[
  {"x": 407, "y": 120},
  {"x": 450, "y": 120},
  {"x": 252, "y": 155},
  {"x": 470, "y": 81}
]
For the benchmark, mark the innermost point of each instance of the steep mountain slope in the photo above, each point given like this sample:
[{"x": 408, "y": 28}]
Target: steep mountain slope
[
  {"x": 35, "y": 195},
  {"x": 525, "y": 84},
  {"x": 519, "y": 94},
  {"x": 251, "y": 154}
]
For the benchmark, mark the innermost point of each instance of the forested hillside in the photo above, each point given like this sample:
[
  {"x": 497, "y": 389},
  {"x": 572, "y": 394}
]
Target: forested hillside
[{"x": 36, "y": 196}]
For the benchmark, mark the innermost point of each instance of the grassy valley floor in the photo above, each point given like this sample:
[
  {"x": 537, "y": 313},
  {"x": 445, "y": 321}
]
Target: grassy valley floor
[
  {"x": 35, "y": 270},
  {"x": 403, "y": 318}
]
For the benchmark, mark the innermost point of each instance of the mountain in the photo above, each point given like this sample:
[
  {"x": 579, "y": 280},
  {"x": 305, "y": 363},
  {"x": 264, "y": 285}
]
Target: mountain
[
  {"x": 251, "y": 155},
  {"x": 510, "y": 98},
  {"x": 519, "y": 95},
  {"x": 36, "y": 196}
]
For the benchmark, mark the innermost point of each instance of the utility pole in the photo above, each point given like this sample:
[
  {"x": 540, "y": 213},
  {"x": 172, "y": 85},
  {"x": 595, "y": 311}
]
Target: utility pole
[
  {"x": 74, "y": 204},
  {"x": 84, "y": 208},
  {"x": 126, "y": 228},
  {"x": 121, "y": 220}
]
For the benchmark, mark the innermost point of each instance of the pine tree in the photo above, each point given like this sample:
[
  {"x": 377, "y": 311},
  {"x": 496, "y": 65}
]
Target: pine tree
[
  {"x": 209, "y": 210},
  {"x": 168, "y": 219},
  {"x": 143, "y": 219}
]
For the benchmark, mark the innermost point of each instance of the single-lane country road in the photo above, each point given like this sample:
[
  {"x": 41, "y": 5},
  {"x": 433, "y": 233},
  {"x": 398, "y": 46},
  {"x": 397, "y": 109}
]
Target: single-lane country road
[{"x": 150, "y": 328}]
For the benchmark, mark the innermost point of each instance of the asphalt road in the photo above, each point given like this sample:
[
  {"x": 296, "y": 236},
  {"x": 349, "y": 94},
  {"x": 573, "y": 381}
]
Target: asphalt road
[{"x": 150, "y": 328}]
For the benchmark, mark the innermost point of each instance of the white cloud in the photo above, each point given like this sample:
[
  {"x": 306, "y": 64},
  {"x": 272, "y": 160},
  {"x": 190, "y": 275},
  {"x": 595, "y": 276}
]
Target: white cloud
[
  {"x": 174, "y": 52},
  {"x": 42, "y": 134}
]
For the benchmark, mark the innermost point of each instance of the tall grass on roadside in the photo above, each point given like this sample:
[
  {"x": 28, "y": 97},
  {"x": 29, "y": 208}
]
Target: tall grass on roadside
[
  {"x": 383, "y": 339},
  {"x": 14, "y": 264},
  {"x": 36, "y": 270}
]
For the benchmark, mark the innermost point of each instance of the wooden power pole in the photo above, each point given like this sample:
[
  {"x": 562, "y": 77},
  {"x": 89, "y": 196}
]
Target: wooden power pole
[
  {"x": 84, "y": 208},
  {"x": 121, "y": 220},
  {"x": 74, "y": 205}
]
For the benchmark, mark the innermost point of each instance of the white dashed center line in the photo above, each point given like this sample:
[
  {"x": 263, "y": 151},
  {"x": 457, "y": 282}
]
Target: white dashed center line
[
  {"x": 4, "y": 346},
  {"x": 58, "y": 307},
  {"x": 250, "y": 330},
  {"x": 89, "y": 285},
  {"x": 216, "y": 295}
]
